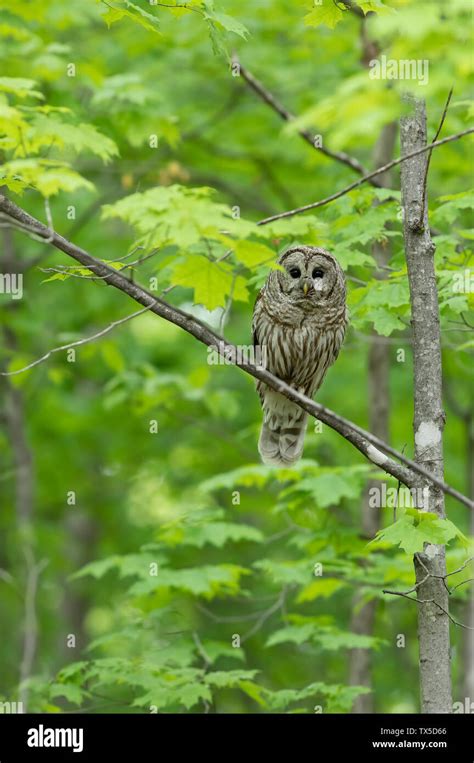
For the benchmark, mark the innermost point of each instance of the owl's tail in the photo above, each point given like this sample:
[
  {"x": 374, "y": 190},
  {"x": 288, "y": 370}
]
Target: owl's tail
[{"x": 283, "y": 429}]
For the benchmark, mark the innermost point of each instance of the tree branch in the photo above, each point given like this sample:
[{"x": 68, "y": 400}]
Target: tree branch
[
  {"x": 365, "y": 179},
  {"x": 369, "y": 445},
  {"x": 76, "y": 343},
  {"x": 429, "y": 601},
  {"x": 428, "y": 159},
  {"x": 430, "y": 574},
  {"x": 287, "y": 116}
]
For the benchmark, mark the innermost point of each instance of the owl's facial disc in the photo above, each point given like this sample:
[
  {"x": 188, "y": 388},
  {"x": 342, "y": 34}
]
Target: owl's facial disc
[{"x": 307, "y": 279}]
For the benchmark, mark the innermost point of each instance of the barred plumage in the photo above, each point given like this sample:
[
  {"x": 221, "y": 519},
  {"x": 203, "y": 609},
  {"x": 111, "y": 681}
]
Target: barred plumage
[{"x": 299, "y": 321}]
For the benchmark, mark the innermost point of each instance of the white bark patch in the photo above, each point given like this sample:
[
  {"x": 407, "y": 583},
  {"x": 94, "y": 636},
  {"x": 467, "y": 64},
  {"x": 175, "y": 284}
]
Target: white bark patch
[
  {"x": 431, "y": 551},
  {"x": 427, "y": 435},
  {"x": 376, "y": 456}
]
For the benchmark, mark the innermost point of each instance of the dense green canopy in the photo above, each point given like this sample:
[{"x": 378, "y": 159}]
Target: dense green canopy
[{"x": 175, "y": 572}]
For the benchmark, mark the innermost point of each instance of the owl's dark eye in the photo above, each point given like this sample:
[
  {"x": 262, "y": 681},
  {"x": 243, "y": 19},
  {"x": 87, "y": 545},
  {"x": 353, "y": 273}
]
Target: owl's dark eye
[
  {"x": 295, "y": 272},
  {"x": 318, "y": 273}
]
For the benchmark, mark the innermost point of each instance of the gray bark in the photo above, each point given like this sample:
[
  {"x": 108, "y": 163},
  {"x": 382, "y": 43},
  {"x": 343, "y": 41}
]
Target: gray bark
[{"x": 433, "y": 623}]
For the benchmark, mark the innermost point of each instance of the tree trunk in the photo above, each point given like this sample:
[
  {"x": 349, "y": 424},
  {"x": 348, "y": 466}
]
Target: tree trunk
[
  {"x": 15, "y": 423},
  {"x": 433, "y": 623},
  {"x": 466, "y": 682},
  {"x": 80, "y": 532},
  {"x": 468, "y": 635}
]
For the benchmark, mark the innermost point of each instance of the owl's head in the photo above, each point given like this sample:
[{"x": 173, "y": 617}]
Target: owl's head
[{"x": 310, "y": 275}]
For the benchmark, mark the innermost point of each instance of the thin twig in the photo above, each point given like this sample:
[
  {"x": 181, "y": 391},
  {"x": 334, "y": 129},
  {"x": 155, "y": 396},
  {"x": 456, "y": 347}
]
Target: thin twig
[
  {"x": 226, "y": 311},
  {"x": 228, "y": 618},
  {"x": 433, "y": 575},
  {"x": 67, "y": 270},
  {"x": 77, "y": 343},
  {"x": 365, "y": 179},
  {"x": 279, "y": 603},
  {"x": 458, "y": 585},
  {"x": 201, "y": 650},
  {"x": 287, "y": 116},
  {"x": 428, "y": 158},
  {"x": 430, "y": 601},
  {"x": 49, "y": 217}
]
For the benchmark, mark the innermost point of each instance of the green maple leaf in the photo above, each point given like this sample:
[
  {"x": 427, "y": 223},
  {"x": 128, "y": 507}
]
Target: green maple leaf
[
  {"x": 385, "y": 322},
  {"x": 416, "y": 528},
  {"x": 212, "y": 282},
  {"x": 328, "y": 14}
]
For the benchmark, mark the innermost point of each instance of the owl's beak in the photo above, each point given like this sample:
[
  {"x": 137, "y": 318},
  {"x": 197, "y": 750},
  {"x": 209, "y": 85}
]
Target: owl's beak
[{"x": 306, "y": 287}]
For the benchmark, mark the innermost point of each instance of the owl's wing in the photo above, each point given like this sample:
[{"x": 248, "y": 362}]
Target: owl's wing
[
  {"x": 256, "y": 322},
  {"x": 255, "y": 318}
]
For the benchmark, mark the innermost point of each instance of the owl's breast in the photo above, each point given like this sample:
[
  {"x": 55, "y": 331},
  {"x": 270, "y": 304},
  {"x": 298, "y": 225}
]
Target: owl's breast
[
  {"x": 286, "y": 347},
  {"x": 301, "y": 355}
]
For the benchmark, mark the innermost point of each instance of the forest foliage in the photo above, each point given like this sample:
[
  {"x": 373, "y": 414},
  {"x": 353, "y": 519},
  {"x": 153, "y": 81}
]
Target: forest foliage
[{"x": 191, "y": 577}]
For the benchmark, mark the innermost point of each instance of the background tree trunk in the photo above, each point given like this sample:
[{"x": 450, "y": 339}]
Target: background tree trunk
[
  {"x": 468, "y": 635},
  {"x": 23, "y": 465},
  {"x": 464, "y": 413},
  {"x": 363, "y": 617}
]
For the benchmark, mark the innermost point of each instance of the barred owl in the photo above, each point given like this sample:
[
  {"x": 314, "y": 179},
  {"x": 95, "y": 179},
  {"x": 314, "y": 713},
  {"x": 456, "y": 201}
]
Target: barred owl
[{"x": 299, "y": 321}]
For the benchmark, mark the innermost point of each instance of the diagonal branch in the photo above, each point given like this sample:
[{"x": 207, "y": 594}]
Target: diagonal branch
[
  {"x": 430, "y": 574},
  {"x": 422, "y": 581},
  {"x": 369, "y": 445},
  {"x": 274, "y": 104},
  {"x": 365, "y": 179},
  {"x": 429, "y": 601},
  {"x": 428, "y": 159}
]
